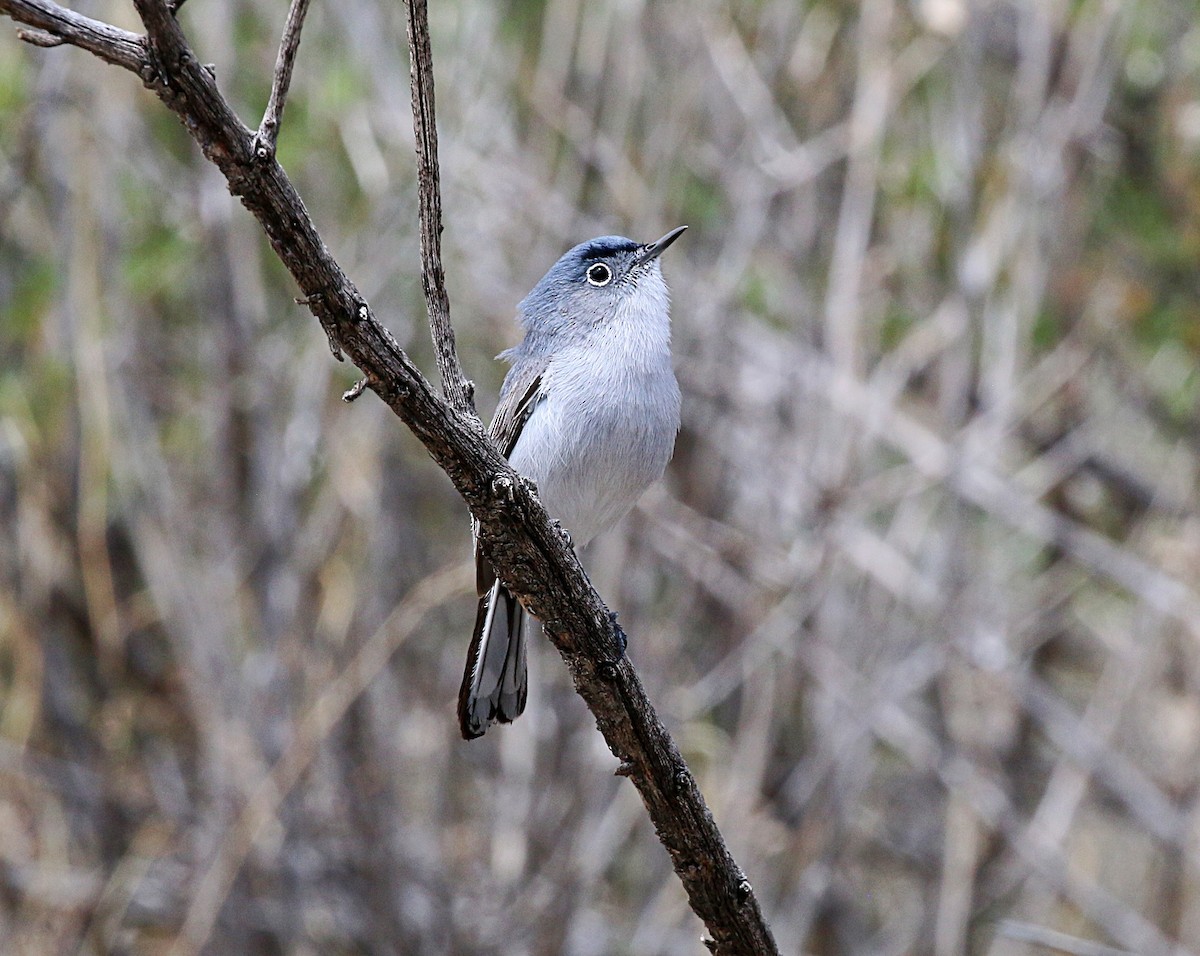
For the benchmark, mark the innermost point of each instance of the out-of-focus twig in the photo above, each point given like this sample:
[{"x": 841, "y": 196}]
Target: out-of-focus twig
[
  {"x": 987, "y": 489},
  {"x": 1054, "y": 941},
  {"x": 311, "y": 731},
  {"x": 843, "y": 308}
]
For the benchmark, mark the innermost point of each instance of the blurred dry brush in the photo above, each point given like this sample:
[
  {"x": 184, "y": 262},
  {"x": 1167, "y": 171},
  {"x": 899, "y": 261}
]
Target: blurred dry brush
[{"x": 918, "y": 594}]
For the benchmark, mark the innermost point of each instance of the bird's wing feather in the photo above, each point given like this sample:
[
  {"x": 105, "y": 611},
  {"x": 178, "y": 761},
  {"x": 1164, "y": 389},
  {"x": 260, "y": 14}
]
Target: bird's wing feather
[
  {"x": 522, "y": 391},
  {"x": 520, "y": 396}
]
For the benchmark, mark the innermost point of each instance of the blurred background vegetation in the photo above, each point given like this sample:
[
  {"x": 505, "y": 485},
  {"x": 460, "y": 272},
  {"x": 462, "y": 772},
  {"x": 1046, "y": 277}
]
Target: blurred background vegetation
[{"x": 918, "y": 595}]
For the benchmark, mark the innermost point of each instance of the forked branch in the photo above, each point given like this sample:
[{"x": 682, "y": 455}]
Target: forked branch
[{"x": 268, "y": 129}]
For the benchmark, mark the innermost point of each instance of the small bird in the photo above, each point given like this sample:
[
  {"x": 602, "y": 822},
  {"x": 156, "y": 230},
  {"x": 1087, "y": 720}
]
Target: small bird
[{"x": 589, "y": 411}]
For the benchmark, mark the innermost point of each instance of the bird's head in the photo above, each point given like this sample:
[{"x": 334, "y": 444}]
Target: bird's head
[{"x": 598, "y": 281}]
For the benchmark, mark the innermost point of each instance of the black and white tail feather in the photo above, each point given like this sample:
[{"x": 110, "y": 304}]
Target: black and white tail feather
[{"x": 496, "y": 681}]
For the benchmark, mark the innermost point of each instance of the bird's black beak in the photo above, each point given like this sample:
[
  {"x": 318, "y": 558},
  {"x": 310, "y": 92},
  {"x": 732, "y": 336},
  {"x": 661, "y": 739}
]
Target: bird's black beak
[{"x": 653, "y": 250}]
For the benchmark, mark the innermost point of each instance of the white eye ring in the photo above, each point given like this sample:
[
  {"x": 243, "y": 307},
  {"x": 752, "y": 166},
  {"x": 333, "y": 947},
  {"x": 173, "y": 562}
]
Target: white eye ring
[{"x": 598, "y": 274}]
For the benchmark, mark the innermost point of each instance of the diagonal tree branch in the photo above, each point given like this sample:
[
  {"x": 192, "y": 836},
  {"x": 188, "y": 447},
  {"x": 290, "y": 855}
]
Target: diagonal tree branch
[{"x": 529, "y": 554}]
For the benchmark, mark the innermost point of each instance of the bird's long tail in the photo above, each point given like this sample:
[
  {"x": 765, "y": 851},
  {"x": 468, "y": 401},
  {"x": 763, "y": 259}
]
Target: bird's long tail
[{"x": 496, "y": 681}]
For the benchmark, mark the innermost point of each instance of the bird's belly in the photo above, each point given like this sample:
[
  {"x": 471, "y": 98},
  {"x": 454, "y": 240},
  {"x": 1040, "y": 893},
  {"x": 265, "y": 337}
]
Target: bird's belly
[{"x": 592, "y": 463}]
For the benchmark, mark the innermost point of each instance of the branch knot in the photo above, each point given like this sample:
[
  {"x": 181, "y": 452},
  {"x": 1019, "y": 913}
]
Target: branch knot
[{"x": 264, "y": 151}]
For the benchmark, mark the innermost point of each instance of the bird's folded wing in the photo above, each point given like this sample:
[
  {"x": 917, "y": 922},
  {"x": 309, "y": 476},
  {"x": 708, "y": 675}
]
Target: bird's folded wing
[{"x": 522, "y": 392}]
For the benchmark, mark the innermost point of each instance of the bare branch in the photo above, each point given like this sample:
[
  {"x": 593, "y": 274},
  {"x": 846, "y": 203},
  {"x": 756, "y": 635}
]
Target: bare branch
[
  {"x": 458, "y": 391},
  {"x": 523, "y": 545},
  {"x": 109, "y": 43},
  {"x": 40, "y": 38},
  {"x": 268, "y": 129}
]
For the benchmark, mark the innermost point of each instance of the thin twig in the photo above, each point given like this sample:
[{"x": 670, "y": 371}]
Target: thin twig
[
  {"x": 458, "y": 391},
  {"x": 40, "y": 38},
  {"x": 268, "y": 129},
  {"x": 109, "y": 43}
]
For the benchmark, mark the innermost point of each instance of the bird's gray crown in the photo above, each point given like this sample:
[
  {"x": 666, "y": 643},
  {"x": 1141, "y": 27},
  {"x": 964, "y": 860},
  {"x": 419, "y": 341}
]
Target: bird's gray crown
[{"x": 571, "y": 273}]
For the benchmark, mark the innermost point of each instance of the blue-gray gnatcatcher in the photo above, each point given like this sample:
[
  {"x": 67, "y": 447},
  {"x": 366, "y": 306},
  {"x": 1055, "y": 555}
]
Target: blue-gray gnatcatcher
[{"x": 589, "y": 411}]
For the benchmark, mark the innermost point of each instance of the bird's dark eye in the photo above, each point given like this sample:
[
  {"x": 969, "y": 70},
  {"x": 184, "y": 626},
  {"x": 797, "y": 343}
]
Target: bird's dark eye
[{"x": 599, "y": 274}]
